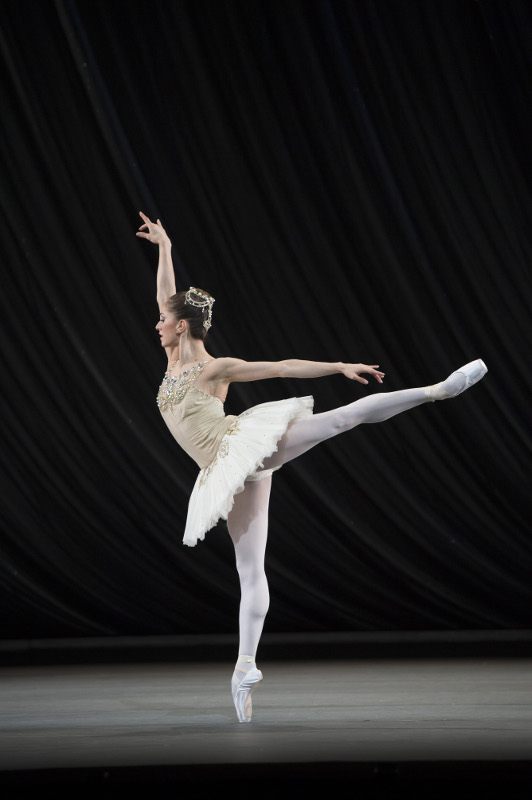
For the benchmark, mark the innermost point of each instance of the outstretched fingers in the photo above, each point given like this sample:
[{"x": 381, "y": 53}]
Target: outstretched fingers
[
  {"x": 374, "y": 370},
  {"x": 355, "y": 371},
  {"x": 144, "y": 226},
  {"x": 153, "y": 231}
]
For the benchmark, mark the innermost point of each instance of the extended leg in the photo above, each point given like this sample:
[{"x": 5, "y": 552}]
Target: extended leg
[{"x": 304, "y": 434}]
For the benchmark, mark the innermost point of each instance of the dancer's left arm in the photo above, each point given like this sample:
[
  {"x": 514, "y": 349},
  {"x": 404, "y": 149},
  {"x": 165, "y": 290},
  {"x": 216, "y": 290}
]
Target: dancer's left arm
[{"x": 234, "y": 370}]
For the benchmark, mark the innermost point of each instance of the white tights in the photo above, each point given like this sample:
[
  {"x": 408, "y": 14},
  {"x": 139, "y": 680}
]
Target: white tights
[
  {"x": 304, "y": 434},
  {"x": 248, "y": 519},
  {"x": 248, "y": 527}
]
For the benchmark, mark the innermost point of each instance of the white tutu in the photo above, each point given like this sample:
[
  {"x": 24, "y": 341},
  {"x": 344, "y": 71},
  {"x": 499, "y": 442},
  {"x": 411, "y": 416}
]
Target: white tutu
[{"x": 252, "y": 437}]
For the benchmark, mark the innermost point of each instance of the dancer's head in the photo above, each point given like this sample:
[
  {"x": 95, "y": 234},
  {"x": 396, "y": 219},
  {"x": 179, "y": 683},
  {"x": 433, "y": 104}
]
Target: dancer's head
[{"x": 195, "y": 307}]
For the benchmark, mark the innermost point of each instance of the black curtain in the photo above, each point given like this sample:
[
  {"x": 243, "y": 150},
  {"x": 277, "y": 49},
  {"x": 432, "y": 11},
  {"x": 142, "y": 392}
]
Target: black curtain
[{"x": 351, "y": 180}]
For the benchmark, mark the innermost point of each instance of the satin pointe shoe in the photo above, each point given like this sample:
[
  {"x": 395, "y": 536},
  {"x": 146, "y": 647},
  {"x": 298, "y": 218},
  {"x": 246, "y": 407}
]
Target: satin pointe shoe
[
  {"x": 458, "y": 381},
  {"x": 242, "y": 693}
]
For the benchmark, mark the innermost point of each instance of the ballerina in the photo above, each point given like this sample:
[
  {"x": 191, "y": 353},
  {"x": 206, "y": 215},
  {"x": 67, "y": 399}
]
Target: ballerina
[{"x": 237, "y": 455}]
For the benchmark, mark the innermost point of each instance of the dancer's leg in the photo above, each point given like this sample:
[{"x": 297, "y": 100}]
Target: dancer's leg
[
  {"x": 304, "y": 434},
  {"x": 248, "y": 528}
]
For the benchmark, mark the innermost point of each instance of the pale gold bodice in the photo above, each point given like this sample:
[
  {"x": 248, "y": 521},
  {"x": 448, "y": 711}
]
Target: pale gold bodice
[{"x": 196, "y": 420}]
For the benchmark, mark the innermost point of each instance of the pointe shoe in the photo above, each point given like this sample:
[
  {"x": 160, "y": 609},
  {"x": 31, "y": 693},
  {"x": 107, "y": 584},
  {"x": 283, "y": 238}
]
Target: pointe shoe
[
  {"x": 242, "y": 693},
  {"x": 472, "y": 373}
]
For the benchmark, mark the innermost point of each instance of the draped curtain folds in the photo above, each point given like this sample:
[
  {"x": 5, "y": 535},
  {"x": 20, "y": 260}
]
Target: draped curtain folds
[{"x": 351, "y": 181}]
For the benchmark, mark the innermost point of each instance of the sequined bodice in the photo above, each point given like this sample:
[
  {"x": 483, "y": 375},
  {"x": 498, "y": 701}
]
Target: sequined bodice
[
  {"x": 174, "y": 387},
  {"x": 196, "y": 420}
]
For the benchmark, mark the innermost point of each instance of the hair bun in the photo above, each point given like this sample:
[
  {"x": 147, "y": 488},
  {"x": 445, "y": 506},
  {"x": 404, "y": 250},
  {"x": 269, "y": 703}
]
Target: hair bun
[{"x": 198, "y": 299}]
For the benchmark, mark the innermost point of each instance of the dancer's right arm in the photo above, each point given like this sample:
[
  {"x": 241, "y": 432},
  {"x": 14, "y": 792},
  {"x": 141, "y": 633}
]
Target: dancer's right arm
[{"x": 154, "y": 232}]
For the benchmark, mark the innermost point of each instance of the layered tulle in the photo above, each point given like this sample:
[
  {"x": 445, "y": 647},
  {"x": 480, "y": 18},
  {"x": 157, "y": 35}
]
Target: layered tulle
[{"x": 251, "y": 438}]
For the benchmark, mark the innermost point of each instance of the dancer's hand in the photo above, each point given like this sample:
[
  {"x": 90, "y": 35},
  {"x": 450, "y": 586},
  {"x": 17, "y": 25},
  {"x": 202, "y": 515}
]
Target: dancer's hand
[
  {"x": 353, "y": 371},
  {"x": 152, "y": 231}
]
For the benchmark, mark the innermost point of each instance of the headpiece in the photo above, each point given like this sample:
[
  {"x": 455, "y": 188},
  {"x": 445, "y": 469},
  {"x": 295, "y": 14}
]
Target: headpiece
[{"x": 201, "y": 300}]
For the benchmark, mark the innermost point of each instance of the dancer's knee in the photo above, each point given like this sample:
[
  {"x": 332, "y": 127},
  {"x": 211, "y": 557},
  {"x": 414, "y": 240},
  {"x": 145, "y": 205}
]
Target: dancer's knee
[
  {"x": 344, "y": 419},
  {"x": 255, "y": 593},
  {"x": 251, "y": 575}
]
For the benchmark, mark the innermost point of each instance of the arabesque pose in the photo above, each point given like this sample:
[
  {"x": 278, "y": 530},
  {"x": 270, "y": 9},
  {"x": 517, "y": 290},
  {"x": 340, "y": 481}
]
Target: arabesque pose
[{"x": 237, "y": 455}]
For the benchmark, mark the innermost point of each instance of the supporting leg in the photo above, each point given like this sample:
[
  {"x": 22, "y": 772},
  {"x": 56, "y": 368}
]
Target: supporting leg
[{"x": 248, "y": 528}]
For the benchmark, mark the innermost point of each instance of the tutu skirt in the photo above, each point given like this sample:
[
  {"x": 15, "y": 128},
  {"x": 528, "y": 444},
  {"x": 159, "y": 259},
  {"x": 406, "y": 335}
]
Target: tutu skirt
[{"x": 252, "y": 437}]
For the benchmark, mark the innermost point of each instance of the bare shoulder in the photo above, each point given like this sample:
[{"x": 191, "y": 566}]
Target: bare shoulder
[
  {"x": 212, "y": 379},
  {"x": 217, "y": 368},
  {"x": 236, "y": 370}
]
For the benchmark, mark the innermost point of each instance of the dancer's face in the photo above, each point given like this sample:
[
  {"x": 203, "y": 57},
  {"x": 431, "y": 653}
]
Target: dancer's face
[{"x": 169, "y": 328}]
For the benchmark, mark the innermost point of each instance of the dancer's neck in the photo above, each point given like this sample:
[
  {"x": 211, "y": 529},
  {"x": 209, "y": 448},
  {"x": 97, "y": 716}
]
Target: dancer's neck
[{"x": 191, "y": 351}]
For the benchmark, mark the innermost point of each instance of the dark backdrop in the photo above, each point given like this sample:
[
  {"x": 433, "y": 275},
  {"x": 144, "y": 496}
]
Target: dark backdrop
[{"x": 351, "y": 181}]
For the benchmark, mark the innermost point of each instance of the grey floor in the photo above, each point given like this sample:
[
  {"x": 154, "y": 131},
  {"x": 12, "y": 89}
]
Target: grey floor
[{"x": 366, "y": 712}]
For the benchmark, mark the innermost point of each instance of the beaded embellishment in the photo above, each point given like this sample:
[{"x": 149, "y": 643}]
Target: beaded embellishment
[
  {"x": 223, "y": 450},
  {"x": 174, "y": 387}
]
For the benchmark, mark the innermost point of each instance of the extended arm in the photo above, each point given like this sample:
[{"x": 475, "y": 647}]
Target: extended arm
[
  {"x": 154, "y": 232},
  {"x": 229, "y": 370}
]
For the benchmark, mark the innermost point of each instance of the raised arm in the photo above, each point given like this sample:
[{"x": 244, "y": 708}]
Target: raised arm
[
  {"x": 233, "y": 370},
  {"x": 154, "y": 232}
]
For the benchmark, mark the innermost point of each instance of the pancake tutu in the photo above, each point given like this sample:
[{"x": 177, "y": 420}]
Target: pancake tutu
[{"x": 252, "y": 437}]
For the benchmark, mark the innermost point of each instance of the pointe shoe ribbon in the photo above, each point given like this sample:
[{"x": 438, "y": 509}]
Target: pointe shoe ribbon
[
  {"x": 472, "y": 373},
  {"x": 242, "y": 694}
]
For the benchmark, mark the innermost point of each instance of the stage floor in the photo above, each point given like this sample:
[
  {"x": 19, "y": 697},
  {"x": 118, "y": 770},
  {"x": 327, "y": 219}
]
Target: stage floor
[{"x": 383, "y": 714}]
